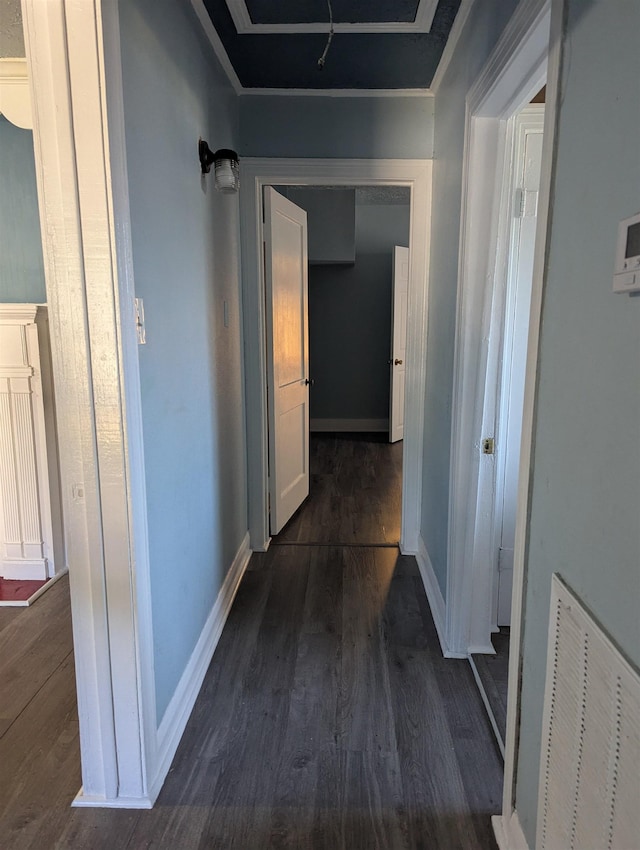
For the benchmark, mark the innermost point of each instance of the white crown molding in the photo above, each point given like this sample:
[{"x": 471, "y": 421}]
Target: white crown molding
[
  {"x": 337, "y": 92},
  {"x": 223, "y": 57},
  {"x": 218, "y": 47},
  {"x": 452, "y": 43},
  {"x": 15, "y": 96},
  {"x": 245, "y": 26}
]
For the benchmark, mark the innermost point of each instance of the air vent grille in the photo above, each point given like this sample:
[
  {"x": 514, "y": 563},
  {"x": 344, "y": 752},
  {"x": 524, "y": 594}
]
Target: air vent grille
[{"x": 589, "y": 793}]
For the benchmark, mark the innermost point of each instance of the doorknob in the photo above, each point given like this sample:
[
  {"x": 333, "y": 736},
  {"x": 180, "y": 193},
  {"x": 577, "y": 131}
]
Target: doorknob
[{"x": 398, "y": 362}]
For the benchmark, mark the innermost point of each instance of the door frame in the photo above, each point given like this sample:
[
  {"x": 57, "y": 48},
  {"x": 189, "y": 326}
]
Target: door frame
[
  {"x": 73, "y": 56},
  {"x": 512, "y": 75},
  {"x": 529, "y": 119},
  {"x": 530, "y": 43},
  {"x": 260, "y": 172}
]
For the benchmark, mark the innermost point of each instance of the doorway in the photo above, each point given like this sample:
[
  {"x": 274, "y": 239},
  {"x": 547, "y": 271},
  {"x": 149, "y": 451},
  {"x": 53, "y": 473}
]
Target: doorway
[
  {"x": 353, "y": 476},
  {"x": 416, "y": 176},
  {"x": 507, "y": 368}
]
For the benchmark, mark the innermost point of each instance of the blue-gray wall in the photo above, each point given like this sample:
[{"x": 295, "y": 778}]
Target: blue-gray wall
[
  {"x": 186, "y": 259},
  {"x": 21, "y": 265},
  {"x": 350, "y": 320},
  {"x": 483, "y": 27},
  {"x": 337, "y": 127},
  {"x": 586, "y": 473}
]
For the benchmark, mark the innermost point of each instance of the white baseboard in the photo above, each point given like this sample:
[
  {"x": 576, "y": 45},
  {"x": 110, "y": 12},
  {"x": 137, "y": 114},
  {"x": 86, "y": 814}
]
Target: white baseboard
[
  {"x": 25, "y": 569},
  {"x": 508, "y": 832},
  {"x": 179, "y": 709},
  {"x": 95, "y": 802},
  {"x": 434, "y": 597},
  {"x": 487, "y": 705},
  {"x": 348, "y": 425}
]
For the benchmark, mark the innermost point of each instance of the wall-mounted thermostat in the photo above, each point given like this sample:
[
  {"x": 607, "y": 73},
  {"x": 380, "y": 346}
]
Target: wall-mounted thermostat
[{"x": 626, "y": 276}]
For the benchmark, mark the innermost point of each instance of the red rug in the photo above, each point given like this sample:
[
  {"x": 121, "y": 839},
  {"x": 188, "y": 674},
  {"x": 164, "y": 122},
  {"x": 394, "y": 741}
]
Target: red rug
[{"x": 16, "y": 590}]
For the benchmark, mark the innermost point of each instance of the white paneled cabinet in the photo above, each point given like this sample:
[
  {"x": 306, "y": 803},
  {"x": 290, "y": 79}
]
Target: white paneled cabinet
[{"x": 27, "y": 468}]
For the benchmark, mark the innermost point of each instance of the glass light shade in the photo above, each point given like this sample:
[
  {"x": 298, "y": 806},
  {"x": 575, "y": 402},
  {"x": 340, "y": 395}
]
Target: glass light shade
[{"x": 227, "y": 172}]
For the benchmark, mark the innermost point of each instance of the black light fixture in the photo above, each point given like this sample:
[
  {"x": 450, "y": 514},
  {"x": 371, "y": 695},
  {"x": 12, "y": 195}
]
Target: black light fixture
[{"x": 225, "y": 166}]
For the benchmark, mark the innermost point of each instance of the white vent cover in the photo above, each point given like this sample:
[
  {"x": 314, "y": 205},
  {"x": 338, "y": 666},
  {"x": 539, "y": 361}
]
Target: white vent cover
[{"x": 589, "y": 792}]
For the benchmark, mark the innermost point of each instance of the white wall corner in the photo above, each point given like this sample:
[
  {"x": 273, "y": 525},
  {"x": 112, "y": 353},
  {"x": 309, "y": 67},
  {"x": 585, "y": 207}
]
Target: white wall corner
[
  {"x": 179, "y": 709},
  {"x": 508, "y": 832},
  {"x": 434, "y": 597}
]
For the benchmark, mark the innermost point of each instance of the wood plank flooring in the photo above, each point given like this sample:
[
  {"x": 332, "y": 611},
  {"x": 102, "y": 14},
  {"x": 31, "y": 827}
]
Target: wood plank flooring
[
  {"x": 355, "y": 492},
  {"x": 328, "y": 719}
]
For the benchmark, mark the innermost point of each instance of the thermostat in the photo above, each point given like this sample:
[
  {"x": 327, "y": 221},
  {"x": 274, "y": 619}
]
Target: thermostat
[{"x": 626, "y": 277}]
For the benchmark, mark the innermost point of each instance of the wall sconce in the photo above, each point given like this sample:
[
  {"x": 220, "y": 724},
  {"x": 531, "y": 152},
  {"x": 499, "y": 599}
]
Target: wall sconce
[{"x": 225, "y": 166}]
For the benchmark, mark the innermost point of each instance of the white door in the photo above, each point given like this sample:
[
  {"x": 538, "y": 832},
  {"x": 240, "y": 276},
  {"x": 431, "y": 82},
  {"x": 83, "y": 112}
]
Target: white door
[
  {"x": 398, "y": 342},
  {"x": 285, "y": 233},
  {"x": 528, "y": 139}
]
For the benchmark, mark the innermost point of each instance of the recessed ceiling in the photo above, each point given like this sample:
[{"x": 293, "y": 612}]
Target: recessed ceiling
[{"x": 378, "y": 45}]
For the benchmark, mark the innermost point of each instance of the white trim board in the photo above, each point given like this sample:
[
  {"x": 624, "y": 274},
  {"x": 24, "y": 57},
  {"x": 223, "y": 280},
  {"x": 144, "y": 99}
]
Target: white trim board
[
  {"x": 397, "y": 93},
  {"x": 452, "y": 43},
  {"x": 257, "y": 173},
  {"x": 434, "y": 596},
  {"x": 71, "y": 64},
  {"x": 508, "y": 832},
  {"x": 179, "y": 709},
  {"x": 349, "y": 425},
  {"x": 522, "y": 49},
  {"x": 245, "y": 26}
]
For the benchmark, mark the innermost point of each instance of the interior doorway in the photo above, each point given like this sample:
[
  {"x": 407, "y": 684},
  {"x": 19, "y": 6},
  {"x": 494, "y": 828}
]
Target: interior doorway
[
  {"x": 517, "y": 221},
  {"x": 416, "y": 177},
  {"x": 348, "y": 328}
]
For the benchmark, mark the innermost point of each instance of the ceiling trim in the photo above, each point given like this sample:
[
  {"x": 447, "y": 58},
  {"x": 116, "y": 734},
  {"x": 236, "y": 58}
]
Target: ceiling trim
[
  {"x": 338, "y": 92},
  {"x": 452, "y": 43},
  {"x": 216, "y": 42},
  {"x": 223, "y": 58},
  {"x": 245, "y": 26}
]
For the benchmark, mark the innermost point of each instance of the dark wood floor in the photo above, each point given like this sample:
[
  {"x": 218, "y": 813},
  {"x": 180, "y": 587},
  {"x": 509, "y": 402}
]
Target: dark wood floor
[
  {"x": 328, "y": 719},
  {"x": 355, "y": 492}
]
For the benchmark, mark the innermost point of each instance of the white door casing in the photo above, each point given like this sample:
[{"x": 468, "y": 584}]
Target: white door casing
[
  {"x": 523, "y": 189},
  {"x": 400, "y": 294},
  {"x": 286, "y": 279},
  {"x": 73, "y": 55}
]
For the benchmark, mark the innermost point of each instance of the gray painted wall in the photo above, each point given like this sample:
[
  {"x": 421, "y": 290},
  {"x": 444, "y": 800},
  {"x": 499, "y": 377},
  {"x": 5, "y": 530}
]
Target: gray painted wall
[
  {"x": 21, "y": 264},
  {"x": 350, "y": 320},
  {"x": 483, "y": 27},
  {"x": 331, "y": 222},
  {"x": 337, "y": 127},
  {"x": 186, "y": 258},
  {"x": 586, "y": 475}
]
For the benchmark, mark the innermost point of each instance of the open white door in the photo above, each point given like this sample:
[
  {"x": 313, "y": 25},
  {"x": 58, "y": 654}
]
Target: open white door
[
  {"x": 398, "y": 342},
  {"x": 528, "y": 136},
  {"x": 285, "y": 234}
]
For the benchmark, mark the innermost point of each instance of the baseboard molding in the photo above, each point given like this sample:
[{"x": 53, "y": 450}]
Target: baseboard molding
[
  {"x": 347, "y": 425},
  {"x": 508, "y": 833},
  {"x": 487, "y": 705},
  {"x": 94, "y": 802},
  {"x": 434, "y": 597},
  {"x": 179, "y": 709}
]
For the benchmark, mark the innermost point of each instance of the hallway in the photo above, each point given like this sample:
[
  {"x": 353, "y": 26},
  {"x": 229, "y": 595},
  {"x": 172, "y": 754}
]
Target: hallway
[{"x": 328, "y": 719}]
